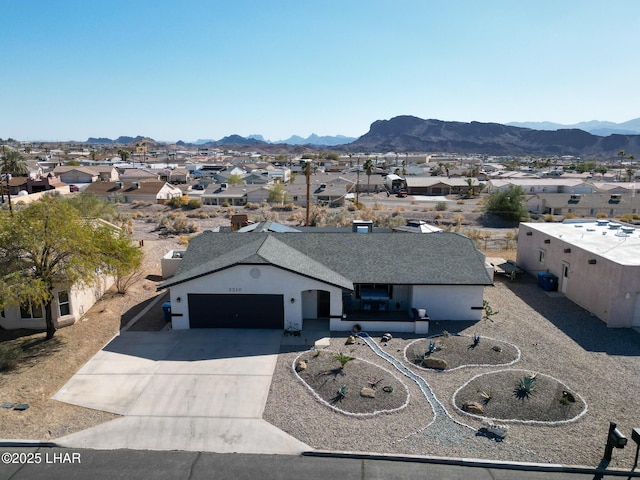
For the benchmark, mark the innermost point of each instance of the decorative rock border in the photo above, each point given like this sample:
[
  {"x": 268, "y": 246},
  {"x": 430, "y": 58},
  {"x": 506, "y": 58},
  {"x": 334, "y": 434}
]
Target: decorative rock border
[
  {"x": 344, "y": 412},
  {"x": 515, "y": 420},
  {"x": 518, "y": 356}
]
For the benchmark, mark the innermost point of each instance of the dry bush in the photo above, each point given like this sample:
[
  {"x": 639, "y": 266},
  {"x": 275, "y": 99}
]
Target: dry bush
[
  {"x": 176, "y": 223},
  {"x": 252, "y": 206}
]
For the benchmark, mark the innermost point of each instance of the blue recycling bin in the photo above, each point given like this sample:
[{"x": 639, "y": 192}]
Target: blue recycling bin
[
  {"x": 166, "y": 308},
  {"x": 547, "y": 281}
]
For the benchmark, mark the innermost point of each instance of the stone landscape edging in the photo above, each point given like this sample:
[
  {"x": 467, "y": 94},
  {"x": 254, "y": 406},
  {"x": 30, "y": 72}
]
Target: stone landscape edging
[
  {"x": 344, "y": 412},
  {"x": 515, "y": 420},
  {"x": 518, "y": 356}
]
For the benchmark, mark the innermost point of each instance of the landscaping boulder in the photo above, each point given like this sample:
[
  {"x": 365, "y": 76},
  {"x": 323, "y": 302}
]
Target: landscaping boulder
[
  {"x": 368, "y": 392},
  {"x": 473, "y": 407},
  {"x": 301, "y": 365},
  {"x": 436, "y": 363},
  {"x": 497, "y": 430}
]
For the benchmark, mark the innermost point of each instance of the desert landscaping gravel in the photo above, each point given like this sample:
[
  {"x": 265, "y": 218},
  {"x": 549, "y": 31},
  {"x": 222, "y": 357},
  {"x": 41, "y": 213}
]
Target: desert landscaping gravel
[{"x": 556, "y": 337}]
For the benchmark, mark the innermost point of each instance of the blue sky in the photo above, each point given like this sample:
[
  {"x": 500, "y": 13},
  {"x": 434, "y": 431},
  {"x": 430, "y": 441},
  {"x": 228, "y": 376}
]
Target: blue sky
[{"x": 183, "y": 70}]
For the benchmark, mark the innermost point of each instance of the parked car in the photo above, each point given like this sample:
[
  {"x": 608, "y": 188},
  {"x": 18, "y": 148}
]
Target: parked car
[
  {"x": 74, "y": 188},
  {"x": 402, "y": 193}
]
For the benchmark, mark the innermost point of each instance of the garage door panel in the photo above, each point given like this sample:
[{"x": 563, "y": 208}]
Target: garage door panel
[{"x": 236, "y": 311}]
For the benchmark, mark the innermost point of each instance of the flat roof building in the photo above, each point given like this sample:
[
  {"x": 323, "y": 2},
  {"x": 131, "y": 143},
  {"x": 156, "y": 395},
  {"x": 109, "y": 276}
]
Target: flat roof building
[{"x": 596, "y": 262}]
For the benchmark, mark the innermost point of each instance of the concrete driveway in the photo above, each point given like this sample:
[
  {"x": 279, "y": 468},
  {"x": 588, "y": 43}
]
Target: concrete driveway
[{"x": 197, "y": 390}]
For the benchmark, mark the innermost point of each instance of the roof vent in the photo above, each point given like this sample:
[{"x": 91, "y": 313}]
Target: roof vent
[
  {"x": 575, "y": 197},
  {"x": 135, "y": 184},
  {"x": 602, "y": 223},
  {"x": 628, "y": 229},
  {"x": 118, "y": 184},
  {"x": 616, "y": 197}
]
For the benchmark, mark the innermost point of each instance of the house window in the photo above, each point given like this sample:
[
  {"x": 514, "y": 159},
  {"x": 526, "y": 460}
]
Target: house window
[
  {"x": 541, "y": 256},
  {"x": 30, "y": 311},
  {"x": 612, "y": 212},
  {"x": 295, "y": 198},
  {"x": 63, "y": 303},
  {"x": 592, "y": 212}
]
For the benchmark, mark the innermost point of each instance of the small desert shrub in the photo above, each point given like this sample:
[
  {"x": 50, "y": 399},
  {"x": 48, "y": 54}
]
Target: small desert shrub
[
  {"x": 194, "y": 203},
  {"x": 288, "y": 207},
  {"x": 226, "y": 204},
  {"x": 441, "y": 206},
  {"x": 460, "y": 202},
  {"x": 569, "y": 215},
  {"x": 342, "y": 358},
  {"x": 377, "y": 206},
  {"x": 548, "y": 218},
  {"x": 252, "y": 206},
  {"x": 10, "y": 357},
  {"x": 176, "y": 224},
  {"x": 176, "y": 202},
  {"x": 601, "y": 215},
  {"x": 479, "y": 202},
  {"x": 184, "y": 240}
]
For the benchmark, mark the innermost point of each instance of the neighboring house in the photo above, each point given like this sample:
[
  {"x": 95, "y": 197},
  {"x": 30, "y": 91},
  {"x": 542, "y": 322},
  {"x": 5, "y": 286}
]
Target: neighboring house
[
  {"x": 596, "y": 263},
  {"x": 151, "y": 191},
  {"x": 220, "y": 194},
  {"x": 583, "y": 205},
  {"x": 77, "y": 174},
  {"x": 438, "y": 185},
  {"x": 69, "y": 304},
  {"x": 139, "y": 175},
  {"x": 618, "y": 187},
  {"x": 541, "y": 185},
  {"x": 278, "y": 280},
  {"x": 283, "y": 174},
  {"x": 177, "y": 175}
]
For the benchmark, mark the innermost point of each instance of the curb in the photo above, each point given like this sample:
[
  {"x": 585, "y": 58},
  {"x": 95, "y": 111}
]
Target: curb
[
  {"x": 26, "y": 443},
  {"x": 478, "y": 463}
]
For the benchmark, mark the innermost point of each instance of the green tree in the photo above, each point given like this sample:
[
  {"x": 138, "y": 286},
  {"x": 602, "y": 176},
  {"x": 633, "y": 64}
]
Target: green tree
[
  {"x": 278, "y": 194},
  {"x": 368, "y": 169},
  {"x": 48, "y": 244},
  {"x": 507, "y": 203},
  {"x": 13, "y": 163},
  {"x": 124, "y": 154},
  {"x": 235, "y": 179}
]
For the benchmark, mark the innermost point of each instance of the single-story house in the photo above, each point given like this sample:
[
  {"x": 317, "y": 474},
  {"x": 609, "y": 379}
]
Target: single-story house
[
  {"x": 439, "y": 185},
  {"x": 69, "y": 174},
  {"x": 595, "y": 263},
  {"x": 380, "y": 281},
  {"x": 138, "y": 175},
  {"x": 151, "y": 191},
  {"x": 69, "y": 304}
]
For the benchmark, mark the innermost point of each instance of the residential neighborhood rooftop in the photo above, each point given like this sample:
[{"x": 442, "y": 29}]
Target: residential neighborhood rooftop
[{"x": 615, "y": 241}]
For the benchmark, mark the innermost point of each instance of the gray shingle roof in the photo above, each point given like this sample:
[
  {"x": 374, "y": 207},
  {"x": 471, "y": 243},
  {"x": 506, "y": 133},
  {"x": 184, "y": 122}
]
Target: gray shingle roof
[{"x": 341, "y": 258}]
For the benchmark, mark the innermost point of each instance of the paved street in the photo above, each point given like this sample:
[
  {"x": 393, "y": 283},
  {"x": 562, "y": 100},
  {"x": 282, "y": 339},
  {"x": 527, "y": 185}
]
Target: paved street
[{"x": 120, "y": 464}]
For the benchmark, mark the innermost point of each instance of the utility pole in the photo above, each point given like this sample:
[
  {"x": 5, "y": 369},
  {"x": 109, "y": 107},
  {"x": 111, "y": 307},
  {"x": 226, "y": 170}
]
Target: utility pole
[
  {"x": 6, "y": 177},
  {"x": 308, "y": 169}
]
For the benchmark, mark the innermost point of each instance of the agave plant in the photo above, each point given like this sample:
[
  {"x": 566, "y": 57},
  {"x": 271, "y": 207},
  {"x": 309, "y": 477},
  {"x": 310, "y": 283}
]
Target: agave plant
[{"x": 526, "y": 386}]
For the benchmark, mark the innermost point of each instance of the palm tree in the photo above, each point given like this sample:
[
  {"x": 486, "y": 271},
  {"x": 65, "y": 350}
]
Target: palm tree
[
  {"x": 14, "y": 164},
  {"x": 621, "y": 154},
  {"x": 124, "y": 154},
  {"x": 368, "y": 169}
]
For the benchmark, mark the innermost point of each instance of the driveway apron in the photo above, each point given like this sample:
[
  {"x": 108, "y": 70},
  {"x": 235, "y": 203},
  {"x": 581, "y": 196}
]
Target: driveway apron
[{"x": 197, "y": 390}]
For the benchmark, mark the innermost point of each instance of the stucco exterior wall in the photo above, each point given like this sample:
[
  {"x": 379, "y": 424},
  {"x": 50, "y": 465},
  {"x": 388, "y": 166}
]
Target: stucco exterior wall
[
  {"x": 607, "y": 289},
  {"x": 241, "y": 280},
  {"x": 81, "y": 299},
  {"x": 446, "y": 302}
]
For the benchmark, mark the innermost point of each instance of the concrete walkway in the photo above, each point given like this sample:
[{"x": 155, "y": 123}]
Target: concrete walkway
[{"x": 193, "y": 390}]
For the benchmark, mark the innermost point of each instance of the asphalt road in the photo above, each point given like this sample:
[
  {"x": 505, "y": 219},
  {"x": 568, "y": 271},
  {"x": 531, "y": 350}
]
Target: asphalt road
[{"x": 34, "y": 463}]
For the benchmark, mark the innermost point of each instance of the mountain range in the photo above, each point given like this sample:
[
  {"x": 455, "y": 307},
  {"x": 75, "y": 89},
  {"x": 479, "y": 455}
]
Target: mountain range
[
  {"x": 313, "y": 139},
  {"x": 407, "y": 133},
  {"x": 596, "y": 127}
]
